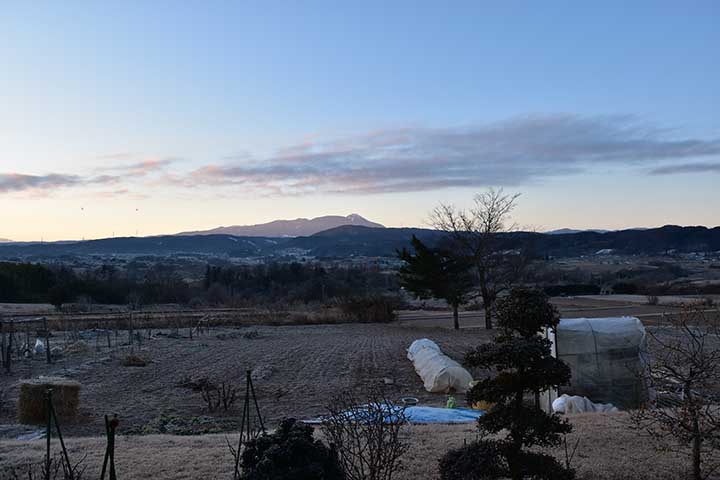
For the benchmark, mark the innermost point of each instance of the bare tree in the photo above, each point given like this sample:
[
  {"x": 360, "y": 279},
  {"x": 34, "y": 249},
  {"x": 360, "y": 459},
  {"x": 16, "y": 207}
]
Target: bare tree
[
  {"x": 684, "y": 371},
  {"x": 475, "y": 236},
  {"x": 366, "y": 436},
  {"x": 214, "y": 396}
]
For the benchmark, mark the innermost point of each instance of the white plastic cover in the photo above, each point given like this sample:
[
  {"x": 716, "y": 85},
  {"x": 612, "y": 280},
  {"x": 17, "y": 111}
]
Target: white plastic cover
[
  {"x": 438, "y": 372},
  {"x": 576, "y": 404},
  {"x": 605, "y": 357}
]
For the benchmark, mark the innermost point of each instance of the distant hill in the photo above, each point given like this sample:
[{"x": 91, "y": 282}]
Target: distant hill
[
  {"x": 351, "y": 240},
  {"x": 162, "y": 245},
  {"x": 300, "y": 227},
  {"x": 565, "y": 231},
  {"x": 5, "y": 240},
  {"x": 348, "y": 240}
]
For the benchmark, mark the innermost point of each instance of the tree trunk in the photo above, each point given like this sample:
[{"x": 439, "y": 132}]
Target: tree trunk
[
  {"x": 696, "y": 448},
  {"x": 488, "y": 302},
  {"x": 456, "y": 320},
  {"x": 488, "y": 315},
  {"x": 515, "y": 469}
]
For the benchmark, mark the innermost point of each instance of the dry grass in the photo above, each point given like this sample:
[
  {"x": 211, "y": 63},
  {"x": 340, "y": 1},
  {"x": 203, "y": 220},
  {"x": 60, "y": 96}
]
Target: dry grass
[{"x": 608, "y": 450}]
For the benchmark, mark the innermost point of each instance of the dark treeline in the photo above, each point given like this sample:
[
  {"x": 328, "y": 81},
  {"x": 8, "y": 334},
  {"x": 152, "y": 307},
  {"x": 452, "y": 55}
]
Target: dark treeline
[
  {"x": 221, "y": 285},
  {"x": 36, "y": 283},
  {"x": 292, "y": 282}
]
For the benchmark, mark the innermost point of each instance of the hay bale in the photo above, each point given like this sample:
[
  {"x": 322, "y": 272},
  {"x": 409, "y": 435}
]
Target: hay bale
[
  {"x": 77, "y": 347},
  {"x": 32, "y": 408},
  {"x": 133, "y": 361}
]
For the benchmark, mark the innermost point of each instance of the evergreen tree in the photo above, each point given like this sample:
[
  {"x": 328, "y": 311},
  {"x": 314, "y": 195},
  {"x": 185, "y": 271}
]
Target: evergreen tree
[
  {"x": 522, "y": 364},
  {"x": 436, "y": 273}
]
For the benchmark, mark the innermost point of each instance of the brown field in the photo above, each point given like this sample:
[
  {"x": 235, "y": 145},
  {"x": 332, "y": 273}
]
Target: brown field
[
  {"x": 607, "y": 450},
  {"x": 296, "y": 369},
  {"x": 594, "y": 306}
]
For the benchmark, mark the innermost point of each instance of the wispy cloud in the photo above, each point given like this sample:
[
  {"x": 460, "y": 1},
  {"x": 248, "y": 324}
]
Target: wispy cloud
[
  {"x": 514, "y": 152},
  {"x": 142, "y": 167},
  {"x": 509, "y": 153},
  {"x": 16, "y": 182},
  {"x": 45, "y": 183},
  {"x": 687, "y": 168}
]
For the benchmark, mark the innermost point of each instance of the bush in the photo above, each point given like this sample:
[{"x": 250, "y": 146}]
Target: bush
[
  {"x": 57, "y": 468},
  {"x": 370, "y": 308},
  {"x": 572, "y": 289},
  {"x": 214, "y": 396},
  {"x": 625, "y": 288},
  {"x": 367, "y": 435},
  {"x": 476, "y": 460},
  {"x": 290, "y": 453}
]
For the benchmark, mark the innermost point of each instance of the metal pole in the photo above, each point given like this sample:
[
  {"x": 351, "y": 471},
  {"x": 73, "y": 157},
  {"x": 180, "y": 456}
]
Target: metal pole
[
  {"x": 47, "y": 341},
  {"x": 8, "y": 352},
  {"x": 246, "y": 408},
  {"x": 62, "y": 442},
  {"x": 48, "y": 432},
  {"x": 257, "y": 408},
  {"x": 107, "y": 449},
  {"x": 113, "y": 425}
]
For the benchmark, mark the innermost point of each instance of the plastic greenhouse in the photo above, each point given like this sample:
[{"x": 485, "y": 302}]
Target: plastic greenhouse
[{"x": 605, "y": 356}]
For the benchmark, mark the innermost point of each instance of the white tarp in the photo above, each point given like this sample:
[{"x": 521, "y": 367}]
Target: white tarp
[
  {"x": 39, "y": 347},
  {"x": 438, "y": 372},
  {"x": 605, "y": 357},
  {"x": 576, "y": 404}
]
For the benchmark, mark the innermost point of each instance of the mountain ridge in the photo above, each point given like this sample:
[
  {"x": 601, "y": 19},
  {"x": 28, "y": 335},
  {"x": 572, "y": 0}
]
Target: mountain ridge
[
  {"x": 349, "y": 241},
  {"x": 299, "y": 227}
]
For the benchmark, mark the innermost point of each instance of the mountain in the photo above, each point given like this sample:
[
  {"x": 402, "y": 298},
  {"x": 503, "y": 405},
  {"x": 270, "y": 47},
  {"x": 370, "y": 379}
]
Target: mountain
[
  {"x": 5, "y": 240},
  {"x": 163, "y": 245},
  {"x": 566, "y": 231},
  {"x": 351, "y": 240},
  {"x": 300, "y": 227}
]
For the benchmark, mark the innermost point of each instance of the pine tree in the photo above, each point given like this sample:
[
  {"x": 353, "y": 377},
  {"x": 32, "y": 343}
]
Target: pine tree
[
  {"x": 436, "y": 273},
  {"x": 521, "y": 364}
]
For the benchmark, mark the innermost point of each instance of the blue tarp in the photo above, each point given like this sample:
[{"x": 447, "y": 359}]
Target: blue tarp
[
  {"x": 442, "y": 415},
  {"x": 416, "y": 414}
]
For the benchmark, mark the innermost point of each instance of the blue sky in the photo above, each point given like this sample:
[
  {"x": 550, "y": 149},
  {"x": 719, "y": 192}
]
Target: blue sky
[{"x": 160, "y": 116}]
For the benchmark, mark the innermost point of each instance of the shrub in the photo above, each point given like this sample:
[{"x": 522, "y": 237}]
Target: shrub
[
  {"x": 708, "y": 302},
  {"x": 522, "y": 364},
  {"x": 625, "y": 288},
  {"x": 366, "y": 436},
  {"x": 370, "y": 308},
  {"x": 215, "y": 395},
  {"x": 57, "y": 468},
  {"x": 572, "y": 289},
  {"x": 476, "y": 460},
  {"x": 683, "y": 371},
  {"x": 290, "y": 453}
]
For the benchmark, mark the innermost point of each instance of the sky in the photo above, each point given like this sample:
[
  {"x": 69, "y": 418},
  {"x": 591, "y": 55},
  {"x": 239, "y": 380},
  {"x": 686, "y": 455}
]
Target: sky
[{"x": 151, "y": 117}]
